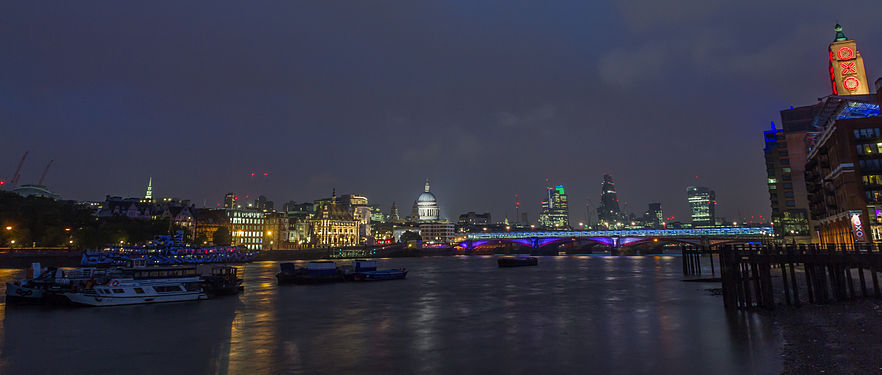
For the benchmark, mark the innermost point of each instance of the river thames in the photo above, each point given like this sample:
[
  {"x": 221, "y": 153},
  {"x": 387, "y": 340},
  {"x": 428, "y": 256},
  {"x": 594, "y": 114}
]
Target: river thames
[{"x": 452, "y": 315}]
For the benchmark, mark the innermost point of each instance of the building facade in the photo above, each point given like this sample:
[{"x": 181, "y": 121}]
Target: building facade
[
  {"x": 785, "y": 153},
  {"x": 555, "y": 212},
  {"x": 654, "y": 217},
  {"x": 702, "y": 206},
  {"x": 247, "y": 228},
  {"x": 436, "y": 233},
  {"x": 608, "y": 213},
  {"x": 474, "y": 219},
  {"x": 333, "y": 225},
  {"x": 844, "y": 176},
  {"x": 426, "y": 208}
]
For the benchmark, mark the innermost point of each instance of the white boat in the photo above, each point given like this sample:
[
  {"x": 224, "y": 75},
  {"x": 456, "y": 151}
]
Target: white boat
[{"x": 130, "y": 286}]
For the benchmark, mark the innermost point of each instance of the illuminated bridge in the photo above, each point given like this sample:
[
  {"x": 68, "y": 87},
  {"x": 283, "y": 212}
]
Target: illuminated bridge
[{"x": 703, "y": 237}]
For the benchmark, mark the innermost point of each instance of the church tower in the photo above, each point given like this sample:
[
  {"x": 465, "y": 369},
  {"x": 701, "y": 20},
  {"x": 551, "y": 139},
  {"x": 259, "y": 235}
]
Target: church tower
[
  {"x": 847, "y": 73},
  {"x": 149, "y": 195}
]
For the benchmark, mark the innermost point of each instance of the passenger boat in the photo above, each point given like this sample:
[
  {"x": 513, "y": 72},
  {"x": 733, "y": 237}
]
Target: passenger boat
[
  {"x": 517, "y": 261},
  {"x": 129, "y": 286},
  {"x": 314, "y": 273},
  {"x": 219, "y": 280},
  {"x": 366, "y": 270}
]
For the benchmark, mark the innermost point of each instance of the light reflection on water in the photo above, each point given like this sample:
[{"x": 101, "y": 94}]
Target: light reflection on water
[{"x": 452, "y": 315}]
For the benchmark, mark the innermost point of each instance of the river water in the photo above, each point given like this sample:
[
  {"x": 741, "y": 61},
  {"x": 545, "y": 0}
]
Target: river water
[{"x": 453, "y": 315}]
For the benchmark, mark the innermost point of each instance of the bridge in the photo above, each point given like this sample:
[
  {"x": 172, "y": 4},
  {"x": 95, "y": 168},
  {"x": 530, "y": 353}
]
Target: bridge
[{"x": 701, "y": 237}]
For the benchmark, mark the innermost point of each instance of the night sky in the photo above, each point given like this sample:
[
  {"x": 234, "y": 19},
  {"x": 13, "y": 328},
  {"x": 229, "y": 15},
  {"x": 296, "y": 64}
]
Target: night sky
[{"x": 486, "y": 98}]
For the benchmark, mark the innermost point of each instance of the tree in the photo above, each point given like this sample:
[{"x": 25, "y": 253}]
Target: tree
[
  {"x": 222, "y": 237},
  {"x": 410, "y": 236},
  {"x": 201, "y": 239}
]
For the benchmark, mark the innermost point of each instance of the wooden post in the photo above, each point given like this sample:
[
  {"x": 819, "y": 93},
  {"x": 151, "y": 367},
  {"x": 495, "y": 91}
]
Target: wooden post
[
  {"x": 683, "y": 258},
  {"x": 793, "y": 278}
]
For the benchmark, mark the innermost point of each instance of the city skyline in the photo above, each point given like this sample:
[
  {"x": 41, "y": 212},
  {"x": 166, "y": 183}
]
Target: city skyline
[{"x": 531, "y": 101}]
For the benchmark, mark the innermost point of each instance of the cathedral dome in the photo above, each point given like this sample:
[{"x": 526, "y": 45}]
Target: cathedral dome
[
  {"x": 427, "y": 197},
  {"x": 426, "y": 207}
]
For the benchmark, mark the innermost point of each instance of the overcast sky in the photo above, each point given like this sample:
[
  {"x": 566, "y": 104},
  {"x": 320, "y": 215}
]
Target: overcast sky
[{"x": 486, "y": 98}]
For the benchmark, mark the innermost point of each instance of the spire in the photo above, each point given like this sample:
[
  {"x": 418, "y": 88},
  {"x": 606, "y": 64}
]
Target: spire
[
  {"x": 427, "y": 185},
  {"x": 149, "y": 194},
  {"x": 840, "y": 36},
  {"x": 334, "y": 196}
]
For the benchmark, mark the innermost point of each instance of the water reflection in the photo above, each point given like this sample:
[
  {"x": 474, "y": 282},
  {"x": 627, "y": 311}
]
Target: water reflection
[{"x": 452, "y": 315}]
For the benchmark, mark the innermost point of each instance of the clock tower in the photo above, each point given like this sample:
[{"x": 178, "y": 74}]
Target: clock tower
[{"x": 846, "y": 66}]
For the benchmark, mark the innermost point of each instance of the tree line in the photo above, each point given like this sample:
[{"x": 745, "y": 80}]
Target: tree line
[{"x": 42, "y": 222}]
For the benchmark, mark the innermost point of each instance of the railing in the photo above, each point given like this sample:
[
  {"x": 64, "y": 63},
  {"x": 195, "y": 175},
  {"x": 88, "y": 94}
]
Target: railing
[{"x": 734, "y": 232}]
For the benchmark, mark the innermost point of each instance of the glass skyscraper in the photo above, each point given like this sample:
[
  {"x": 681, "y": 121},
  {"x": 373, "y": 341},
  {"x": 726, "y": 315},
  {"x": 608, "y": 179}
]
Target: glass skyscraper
[
  {"x": 702, "y": 205},
  {"x": 608, "y": 213},
  {"x": 555, "y": 211}
]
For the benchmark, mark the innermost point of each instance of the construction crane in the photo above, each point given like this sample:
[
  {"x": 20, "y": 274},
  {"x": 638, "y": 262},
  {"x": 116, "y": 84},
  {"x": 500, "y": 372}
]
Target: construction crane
[
  {"x": 43, "y": 177},
  {"x": 17, "y": 173}
]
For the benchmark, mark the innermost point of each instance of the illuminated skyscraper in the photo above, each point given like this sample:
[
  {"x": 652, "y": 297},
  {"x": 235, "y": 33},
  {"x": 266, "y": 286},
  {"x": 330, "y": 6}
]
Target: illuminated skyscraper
[
  {"x": 702, "y": 205},
  {"x": 149, "y": 195},
  {"x": 230, "y": 200},
  {"x": 654, "y": 218},
  {"x": 608, "y": 213},
  {"x": 555, "y": 213}
]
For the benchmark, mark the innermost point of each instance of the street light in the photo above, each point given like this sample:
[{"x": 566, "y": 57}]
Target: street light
[{"x": 8, "y": 228}]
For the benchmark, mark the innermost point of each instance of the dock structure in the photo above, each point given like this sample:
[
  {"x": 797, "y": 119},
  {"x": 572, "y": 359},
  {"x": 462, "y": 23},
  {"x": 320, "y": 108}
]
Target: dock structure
[{"x": 761, "y": 276}]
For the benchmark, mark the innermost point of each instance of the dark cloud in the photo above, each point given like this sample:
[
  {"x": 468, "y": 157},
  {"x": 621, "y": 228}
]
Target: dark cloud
[{"x": 486, "y": 98}]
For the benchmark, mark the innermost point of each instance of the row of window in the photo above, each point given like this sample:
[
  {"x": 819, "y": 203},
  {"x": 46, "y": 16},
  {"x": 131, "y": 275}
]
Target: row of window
[
  {"x": 247, "y": 227},
  {"x": 158, "y": 289},
  {"x": 869, "y": 148},
  {"x": 866, "y": 133},
  {"x": 239, "y": 220},
  {"x": 872, "y": 179},
  {"x": 870, "y": 165},
  {"x": 250, "y": 240},
  {"x": 788, "y": 203}
]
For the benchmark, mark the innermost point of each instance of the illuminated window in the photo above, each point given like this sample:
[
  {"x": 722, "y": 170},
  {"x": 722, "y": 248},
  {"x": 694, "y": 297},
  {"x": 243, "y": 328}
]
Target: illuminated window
[{"x": 773, "y": 181}]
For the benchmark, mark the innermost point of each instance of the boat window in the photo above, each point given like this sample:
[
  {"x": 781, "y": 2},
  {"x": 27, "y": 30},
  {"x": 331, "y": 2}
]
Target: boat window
[
  {"x": 154, "y": 273},
  {"x": 139, "y": 290},
  {"x": 170, "y": 288},
  {"x": 118, "y": 291},
  {"x": 192, "y": 287},
  {"x": 163, "y": 273}
]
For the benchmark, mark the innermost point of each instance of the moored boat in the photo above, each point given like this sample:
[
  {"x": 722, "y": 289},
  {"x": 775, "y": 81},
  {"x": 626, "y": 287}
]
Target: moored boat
[
  {"x": 219, "y": 280},
  {"x": 44, "y": 283},
  {"x": 366, "y": 270},
  {"x": 317, "y": 272},
  {"x": 129, "y": 286},
  {"x": 517, "y": 261}
]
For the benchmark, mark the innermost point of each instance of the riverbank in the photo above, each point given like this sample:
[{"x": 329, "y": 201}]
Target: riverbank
[{"x": 839, "y": 338}]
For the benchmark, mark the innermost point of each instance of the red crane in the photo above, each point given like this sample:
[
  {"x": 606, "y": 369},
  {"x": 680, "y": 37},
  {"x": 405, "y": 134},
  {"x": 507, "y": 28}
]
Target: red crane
[
  {"x": 45, "y": 171},
  {"x": 17, "y": 173}
]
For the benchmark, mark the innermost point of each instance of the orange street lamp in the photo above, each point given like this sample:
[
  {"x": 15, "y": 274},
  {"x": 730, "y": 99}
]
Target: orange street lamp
[{"x": 8, "y": 228}]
